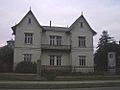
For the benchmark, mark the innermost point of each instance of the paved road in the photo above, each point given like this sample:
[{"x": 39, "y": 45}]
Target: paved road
[
  {"x": 99, "y": 88},
  {"x": 59, "y": 82}
]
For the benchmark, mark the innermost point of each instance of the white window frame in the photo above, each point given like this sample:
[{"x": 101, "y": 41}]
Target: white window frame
[
  {"x": 52, "y": 40},
  {"x": 82, "y": 41},
  {"x": 58, "y": 40},
  {"x": 28, "y": 38},
  {"x": 27, "y": 57},
  {"x": 55, "y": 40},
  {"x": 55, "y": 60},
  {"x": 82, "y": 60}
]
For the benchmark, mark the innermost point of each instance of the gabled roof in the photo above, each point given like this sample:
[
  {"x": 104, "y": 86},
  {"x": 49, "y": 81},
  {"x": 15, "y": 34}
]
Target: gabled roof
[
  {"x": 54, "y": 28},
  {"x": 94, "y": 33},
  {"x": 30, "y": 12}
]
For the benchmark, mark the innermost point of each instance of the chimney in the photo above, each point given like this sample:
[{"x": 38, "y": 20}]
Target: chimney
[{"x": 50, "y": 23}]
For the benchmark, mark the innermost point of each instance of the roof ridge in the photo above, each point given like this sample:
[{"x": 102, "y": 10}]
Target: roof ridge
[{"x": 55, "y": 26}]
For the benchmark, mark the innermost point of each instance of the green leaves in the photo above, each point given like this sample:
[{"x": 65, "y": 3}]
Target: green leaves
[{"x": 26, "y": 67}]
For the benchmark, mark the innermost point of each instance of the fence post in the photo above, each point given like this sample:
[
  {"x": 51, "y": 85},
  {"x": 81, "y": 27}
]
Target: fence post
[{"x": 39, "y": 68}]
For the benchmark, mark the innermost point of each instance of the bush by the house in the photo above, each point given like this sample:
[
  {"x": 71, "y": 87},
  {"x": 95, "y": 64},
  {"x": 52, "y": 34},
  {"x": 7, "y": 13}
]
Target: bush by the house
[
  {"x": 50, "y": 75},
  {"x": 26, "y": 67}
]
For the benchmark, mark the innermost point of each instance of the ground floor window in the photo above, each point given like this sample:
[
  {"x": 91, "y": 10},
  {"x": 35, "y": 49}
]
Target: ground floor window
[
  {"x": 55, "y": 60},
  {"x": 82, "y": 60},
  {"x": 27, "y": 57}
]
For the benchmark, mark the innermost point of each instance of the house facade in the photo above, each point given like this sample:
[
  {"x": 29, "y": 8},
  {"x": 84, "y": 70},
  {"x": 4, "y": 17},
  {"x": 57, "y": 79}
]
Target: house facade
[{"x": 58, "y": 48}]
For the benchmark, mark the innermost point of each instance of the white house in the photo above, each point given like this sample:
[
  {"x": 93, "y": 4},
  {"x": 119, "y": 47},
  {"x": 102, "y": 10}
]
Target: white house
[{"x": 59, "y": 48}]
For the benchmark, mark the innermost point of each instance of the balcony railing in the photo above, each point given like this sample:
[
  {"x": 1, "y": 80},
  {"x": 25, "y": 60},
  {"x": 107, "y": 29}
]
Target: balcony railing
[{"x": 58, "y": 47}]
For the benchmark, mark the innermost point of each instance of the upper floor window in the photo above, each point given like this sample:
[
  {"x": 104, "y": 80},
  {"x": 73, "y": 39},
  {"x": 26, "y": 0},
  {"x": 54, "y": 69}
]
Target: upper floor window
[
  {"x": 58, "y": 40},
  {"x": 55, "y": 60},
  {"x": 27, "y": 57},
  {"x": 81, "y": 24},
  {"x": 55, "y": 40},
  {"x": 52, "y": 40},
  {"x": 28, "y": 38},
  {"x": 82, "y": 41},
  {"x": 29, "y": 21},
  {"x": 82, "y": 60}
]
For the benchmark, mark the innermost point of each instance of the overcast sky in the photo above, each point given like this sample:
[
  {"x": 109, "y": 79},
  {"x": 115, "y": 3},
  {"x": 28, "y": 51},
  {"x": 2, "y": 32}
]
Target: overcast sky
[{"x": 100, "y": 14}]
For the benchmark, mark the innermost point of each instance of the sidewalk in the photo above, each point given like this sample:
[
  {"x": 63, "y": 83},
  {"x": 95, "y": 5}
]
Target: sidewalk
[{"x": 58, "y": 84}]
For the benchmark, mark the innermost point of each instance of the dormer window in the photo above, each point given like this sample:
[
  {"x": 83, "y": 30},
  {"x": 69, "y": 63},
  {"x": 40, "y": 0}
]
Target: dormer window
[
  {"x": 29, "y": 21},
  {"x": 81, "y": 24}
]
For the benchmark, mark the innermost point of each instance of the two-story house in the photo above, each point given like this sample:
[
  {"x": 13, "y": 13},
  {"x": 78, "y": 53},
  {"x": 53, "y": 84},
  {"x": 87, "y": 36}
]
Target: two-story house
[{"x": 58, "y": 48}]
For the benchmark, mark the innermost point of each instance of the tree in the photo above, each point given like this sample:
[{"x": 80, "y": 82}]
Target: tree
[
  {"x": 6, "y": 59},
  {"x": 105, "y": 45},
  {"x": 105, "y": 39},
  {"x": 26, "y": 67}
]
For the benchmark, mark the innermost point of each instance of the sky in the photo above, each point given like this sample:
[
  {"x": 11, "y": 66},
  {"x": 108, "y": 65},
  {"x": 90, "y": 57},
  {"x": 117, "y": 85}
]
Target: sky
[{"x": 100, "y": 14}]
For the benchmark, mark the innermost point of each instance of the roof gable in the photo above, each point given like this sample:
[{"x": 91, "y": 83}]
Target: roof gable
[
  {"x": 78, "y": 20},
  {"x": 29, "y": 13}
]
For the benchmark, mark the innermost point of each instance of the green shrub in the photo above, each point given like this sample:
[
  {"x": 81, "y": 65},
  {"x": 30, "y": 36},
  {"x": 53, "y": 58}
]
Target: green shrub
[
  {"x": 26, "y": 67},
  {"x": 50, "y": 75}
]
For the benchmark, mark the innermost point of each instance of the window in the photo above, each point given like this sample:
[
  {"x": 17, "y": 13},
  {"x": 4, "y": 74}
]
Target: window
[
  {"x": 52, "y": 40},
  {"x": 111, "y": 55},
  {"x": 28, "y": 38},
  {"x": 55, "y": 40},
  {"x": 82, "y": 42},
  {"x": 82, "y": 60},
  {"x": 52, "y": 60},
  {"x": 29, "y": 21},
  {"x": 81, "y": 24},
  {"x": 58, "y": 40},
  {"x": 55, "y": 60},
  {"x": 27, "y": 57},
  {"x": 58, "y": 60}
]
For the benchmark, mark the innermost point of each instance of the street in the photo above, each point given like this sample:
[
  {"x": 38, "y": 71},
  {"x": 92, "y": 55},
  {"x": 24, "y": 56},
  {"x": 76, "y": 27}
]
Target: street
[{"x": 98, "y": 88}]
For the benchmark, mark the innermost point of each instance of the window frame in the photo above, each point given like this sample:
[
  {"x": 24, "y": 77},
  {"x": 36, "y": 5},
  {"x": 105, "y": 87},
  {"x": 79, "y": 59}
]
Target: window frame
[
  {"x": 55, "y": 40},
  {"x": 29, "y": 21},
  {"x": 58, "y": 60},
  {"x": 27, "y": 57},
  {"x": 81, "y": 24},
  {"x": 52, "y": 40},
  {"x": 58, "y": 40},
  {"x": 82, "y": 41},
  {"x": 28, "y": 38},
  {"x": 82, "y": 60},
  {"x": 55, "y": 60}
]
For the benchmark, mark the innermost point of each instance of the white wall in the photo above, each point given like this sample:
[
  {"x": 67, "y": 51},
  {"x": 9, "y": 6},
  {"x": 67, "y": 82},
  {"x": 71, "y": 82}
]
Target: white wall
[
  {"x": 39, "y": 37},
  {"x": 87, "y": 51},
  {"x": 24, "y": 27},
  {"x": 22, "y": 48}
]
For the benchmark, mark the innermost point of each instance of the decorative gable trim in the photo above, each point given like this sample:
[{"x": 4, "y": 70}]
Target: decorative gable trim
[
  {"x": 30, "y": 12},
  {"x": 70, "y": 28}
]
